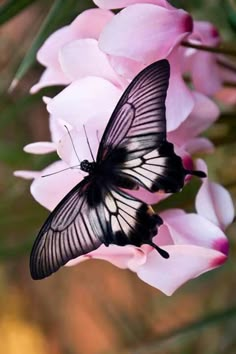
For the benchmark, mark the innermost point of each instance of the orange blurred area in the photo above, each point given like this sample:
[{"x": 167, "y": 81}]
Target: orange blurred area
[{"x": 93, "y": 308}]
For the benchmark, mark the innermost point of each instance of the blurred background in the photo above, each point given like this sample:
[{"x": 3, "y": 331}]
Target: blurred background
[{"x": 95, "y": 308}]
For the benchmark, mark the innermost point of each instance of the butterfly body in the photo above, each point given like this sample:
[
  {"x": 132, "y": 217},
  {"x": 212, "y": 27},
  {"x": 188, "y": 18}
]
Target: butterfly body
[{"x": 133, "y": 153}]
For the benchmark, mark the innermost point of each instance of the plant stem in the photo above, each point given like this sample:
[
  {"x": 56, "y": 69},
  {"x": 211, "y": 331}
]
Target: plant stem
[{"x": 220, "y": 49}]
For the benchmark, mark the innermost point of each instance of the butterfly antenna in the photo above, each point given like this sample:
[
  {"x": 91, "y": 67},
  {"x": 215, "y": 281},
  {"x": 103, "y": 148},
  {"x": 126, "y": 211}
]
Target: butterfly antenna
[
  {"x": 91, "y": 153},
  {"x": 72, "y": 143},
  {"x": 64, "y": 169},
  {"x": 162, "y": 252}
]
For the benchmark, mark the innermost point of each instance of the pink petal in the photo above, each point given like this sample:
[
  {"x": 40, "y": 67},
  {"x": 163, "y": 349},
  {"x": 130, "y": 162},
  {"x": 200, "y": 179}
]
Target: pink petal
[
  {"x": 180, "y": 100},
  {"x": 117, "y": 4},
  {"x": 206, "y": 32},
  {"x": 27, "y": 174},
  {"x": 48, "y": 53},
  {"x": 163, "y": 237},
  {"x": 41, "y": 147},
  {"x": 121, "y": 256},
  {"x": 57, "y": 128},
  {"x": 50, "y": 77},
  {"x": 145, "y": 32},
  {"x": 79, "y": 151},
  {"x": 172, "y": 213},
  {"x": 82, "y": 58},
  {"x": 90, "y": 23},
  {"x": 205, "y": 73},
  {"x": 204, "y": 114},
  {"x": 196, "y": 230},
  {"x": 214, "y": 202},
  {"x": 148, "y": 197},
  {"x": 125, "y": 67},
  {"x": 185, "y": 263},
  {"x": 88, "y": 98},
  {"x": 49, "y": 191},
  {"x": 199, "y": 145}
]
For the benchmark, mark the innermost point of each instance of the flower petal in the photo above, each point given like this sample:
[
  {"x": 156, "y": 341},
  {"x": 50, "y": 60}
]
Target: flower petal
[
  {"x": 82, "y": 58},
  {"x": 144, "y": 32},
  {"x": 90, "y": 23},
  {"x": 185, "y": 263},
  {"x": 199, "y": 145},
  {"x": 121, "y": 256},
  {"x": 57, "y": 128},
  {"x": 49, "y": 191},
  {"x": 84, "y": 99},
  {"x": 206, "y": 32},
  {"x": 214, "y": 202},
  {"x": 179, "y": 100},
  {"x": 196, "y": 230},
  {"x": 80, "y": 150},
  {"x": 50, "y": 77},
  {"x": 146, "y": 196},
  {"x": 40, "y": 147},
  {"x": 125, "y": 67},
  {"x": 48, "y": 53},
  {"x": 27, "y": 174},
  {"x": 205, "y": 73},
  {"x": 204, "y": 114},
  {"x": 117, "y": 4}
]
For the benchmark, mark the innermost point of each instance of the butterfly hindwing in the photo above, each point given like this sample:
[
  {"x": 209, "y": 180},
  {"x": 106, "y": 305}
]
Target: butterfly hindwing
[
  {"x": 129, "y": 220},
  {"x": 139, "y": 117}
]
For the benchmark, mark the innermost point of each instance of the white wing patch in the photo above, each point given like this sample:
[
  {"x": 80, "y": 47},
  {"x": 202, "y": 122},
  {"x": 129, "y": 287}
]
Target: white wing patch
[
  {"x": 146, "y": 169},
  {"x": 121, "y": 212}
]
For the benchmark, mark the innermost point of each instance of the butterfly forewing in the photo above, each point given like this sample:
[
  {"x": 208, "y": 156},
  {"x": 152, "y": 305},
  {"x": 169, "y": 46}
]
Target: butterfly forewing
[{"x": 138, "y": 120}]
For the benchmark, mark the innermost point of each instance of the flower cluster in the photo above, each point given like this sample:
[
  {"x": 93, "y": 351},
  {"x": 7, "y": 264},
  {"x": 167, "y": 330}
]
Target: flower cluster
[{"x": 96, "y": 57}]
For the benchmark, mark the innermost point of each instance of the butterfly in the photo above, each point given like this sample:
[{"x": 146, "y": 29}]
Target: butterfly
[{"x": 133, "y": 153}]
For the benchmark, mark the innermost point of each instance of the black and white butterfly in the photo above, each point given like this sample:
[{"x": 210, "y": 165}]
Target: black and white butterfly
[{"x": 133, "y": 152}]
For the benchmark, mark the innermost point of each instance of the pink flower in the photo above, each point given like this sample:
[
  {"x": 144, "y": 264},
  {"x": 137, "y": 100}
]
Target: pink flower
[
  {"x": 203, "y": 115},
  {"x": 152, "y": 30},
  {"x": 208, "y": 71},
  {"x": 142, "y": 33},
  {"x": 196, "y": 242},
  {"x": 108, "y": 51},
  {"x": 116, "y": 48},
  {"x": 72, "y": 51},
  {"x": 96, "y": 62},
  {"x": 118, "y": 4},
  {"x": 202, "y": 65}
]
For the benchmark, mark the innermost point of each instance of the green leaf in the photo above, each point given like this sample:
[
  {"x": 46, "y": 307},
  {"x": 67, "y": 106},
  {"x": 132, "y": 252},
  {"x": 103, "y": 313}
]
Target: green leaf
[
  {"x": 230, "y": 9},
  {"x": 12, "y": 8}
]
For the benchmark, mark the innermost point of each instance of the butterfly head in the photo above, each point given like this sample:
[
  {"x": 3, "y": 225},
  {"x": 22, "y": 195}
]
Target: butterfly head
[{"x": 87, "y": 166}]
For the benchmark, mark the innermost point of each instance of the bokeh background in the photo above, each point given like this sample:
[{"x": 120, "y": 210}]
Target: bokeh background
[{"x": 95, "y": 308}]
